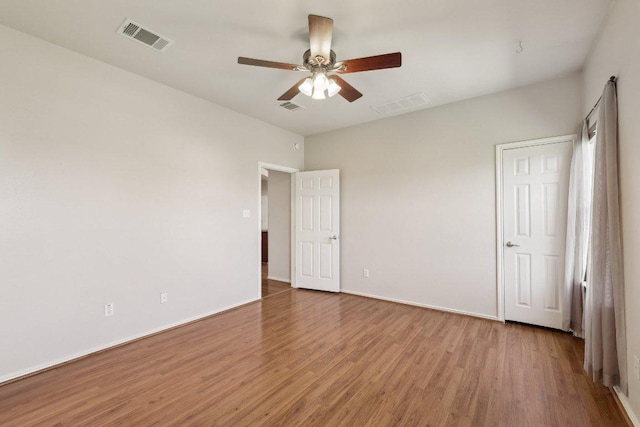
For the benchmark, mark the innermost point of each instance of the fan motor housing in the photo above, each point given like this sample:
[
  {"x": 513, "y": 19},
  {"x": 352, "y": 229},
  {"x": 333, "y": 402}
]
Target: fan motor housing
[{"x": 312, "y": 63}]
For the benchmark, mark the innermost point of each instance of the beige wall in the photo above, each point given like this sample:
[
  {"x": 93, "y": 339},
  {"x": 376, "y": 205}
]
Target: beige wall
[
  {"x": 418, "y": 193},
  {"x": 114, "y": 188},
  {"x": 617, "y": 52},
  {"x": 280, "y": 226}
]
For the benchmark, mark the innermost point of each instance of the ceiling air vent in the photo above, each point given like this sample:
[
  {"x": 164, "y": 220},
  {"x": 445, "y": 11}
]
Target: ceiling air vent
[
  {"x": 290, "y": 106},
  {"x": 137, "y": 32},
  {"x": 402, "y": 104}
]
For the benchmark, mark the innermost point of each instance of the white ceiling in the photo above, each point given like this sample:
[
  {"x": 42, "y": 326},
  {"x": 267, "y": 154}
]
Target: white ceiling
[{"x": 451, "y": 49}]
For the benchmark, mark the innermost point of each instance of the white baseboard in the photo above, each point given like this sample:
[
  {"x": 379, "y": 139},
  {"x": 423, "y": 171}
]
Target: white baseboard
[
  {"x": 78, "y": 355},
  {"x": 279, "y": 279},
  {"x": 417, "y": 304},
  {"x": 627, "y": 406}
]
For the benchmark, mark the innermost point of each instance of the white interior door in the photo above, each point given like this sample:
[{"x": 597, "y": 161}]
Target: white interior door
[
  {"x": 535, "y": 187},
  {"x": 317, "y": 230}
]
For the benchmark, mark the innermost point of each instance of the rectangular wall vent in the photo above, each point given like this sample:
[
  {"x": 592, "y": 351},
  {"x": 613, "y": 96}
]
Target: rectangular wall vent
[
  {"x": 137, "y": 32},
  {"x": 290, "y": 106},
  {"x": 403, "y": 104}
]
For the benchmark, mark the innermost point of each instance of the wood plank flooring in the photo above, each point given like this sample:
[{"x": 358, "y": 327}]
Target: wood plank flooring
[
  {"x": 270, "y": 287},
  {"x": 319, "y": 359}
]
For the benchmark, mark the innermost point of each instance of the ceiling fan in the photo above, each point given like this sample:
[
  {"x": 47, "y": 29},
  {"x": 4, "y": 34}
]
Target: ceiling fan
[{"x": 320, "y": 61}]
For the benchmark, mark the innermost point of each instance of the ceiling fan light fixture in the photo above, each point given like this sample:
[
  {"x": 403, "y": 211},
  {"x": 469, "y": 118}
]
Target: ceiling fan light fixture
[
  {"x": 306, "y": 87},
  {"x": 333, "y": 88},
  {"x": 320, "y": 61}
]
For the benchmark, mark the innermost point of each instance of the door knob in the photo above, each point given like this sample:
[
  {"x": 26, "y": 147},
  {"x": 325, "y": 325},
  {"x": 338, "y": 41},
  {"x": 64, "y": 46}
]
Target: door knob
[
  {"x": 511, "y": 244},
  {"x": 334, "y": 237}
]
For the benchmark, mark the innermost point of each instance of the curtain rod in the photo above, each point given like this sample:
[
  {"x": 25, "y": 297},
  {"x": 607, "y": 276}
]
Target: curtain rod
[{"x": 612, "y": 79}]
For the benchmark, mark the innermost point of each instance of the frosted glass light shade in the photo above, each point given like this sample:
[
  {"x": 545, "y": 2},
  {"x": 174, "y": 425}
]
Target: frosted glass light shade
[
  {"x": 333, "y": 88},
  {"x": 320, "y": 81},
  {"x": 318, "y": 94},
  {"x": 306, "y": 87}
]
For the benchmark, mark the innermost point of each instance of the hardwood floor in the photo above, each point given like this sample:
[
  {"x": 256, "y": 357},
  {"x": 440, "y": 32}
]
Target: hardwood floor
[
  {"x": 270, "y": 287},
  {"x": 310, "y": 358}
]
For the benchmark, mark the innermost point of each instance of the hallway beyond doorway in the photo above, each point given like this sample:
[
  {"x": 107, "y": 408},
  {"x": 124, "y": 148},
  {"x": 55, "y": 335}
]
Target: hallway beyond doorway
[{"x": 271, "y": 287}]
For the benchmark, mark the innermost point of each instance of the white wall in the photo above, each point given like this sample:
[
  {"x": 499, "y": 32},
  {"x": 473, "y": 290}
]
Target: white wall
[
  {"x": 114, "y": 188},
  {"x": 418, "y": 193},
  {"x": 279, "y": 226},
  {"x": 617, "y": 52}
]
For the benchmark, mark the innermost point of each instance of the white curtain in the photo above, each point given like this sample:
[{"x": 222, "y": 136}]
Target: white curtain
[
  {"x": 605, "y": 340},
  {"x": 578, "y": 227}
]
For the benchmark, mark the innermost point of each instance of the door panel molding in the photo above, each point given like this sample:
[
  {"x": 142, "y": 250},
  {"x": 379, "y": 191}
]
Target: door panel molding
[
  {"x": 519, "y": 168},
  {"x": 317, "y": 230}
]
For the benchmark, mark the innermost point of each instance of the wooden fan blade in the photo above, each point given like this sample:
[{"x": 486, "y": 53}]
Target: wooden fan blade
[
  {"x": 347, "y": 91},
  {"x": 268, "y": 64},
  {"x": 320, "y": 33},
  {"x": 288, "y": 95},
  {"x": 378, "y": 62}
]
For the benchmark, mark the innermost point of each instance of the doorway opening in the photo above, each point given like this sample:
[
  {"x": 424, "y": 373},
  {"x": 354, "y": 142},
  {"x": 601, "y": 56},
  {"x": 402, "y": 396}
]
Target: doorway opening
[{"x": 275, "y": 231}]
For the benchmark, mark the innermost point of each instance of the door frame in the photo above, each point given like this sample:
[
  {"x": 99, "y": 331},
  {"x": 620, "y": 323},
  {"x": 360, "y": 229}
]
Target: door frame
[
  {"x": 289, "y": 170},
  {"x": 500, "y": 149}
]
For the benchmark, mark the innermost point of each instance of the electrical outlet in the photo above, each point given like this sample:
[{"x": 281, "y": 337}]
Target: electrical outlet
[
  {"x": 108, "y": 310},
  {"x": 246, "y": 213},
  {"x": 164, "y": 297},
  {"x": 636, "y": 367},
  {"x": 365, "y": 273}
]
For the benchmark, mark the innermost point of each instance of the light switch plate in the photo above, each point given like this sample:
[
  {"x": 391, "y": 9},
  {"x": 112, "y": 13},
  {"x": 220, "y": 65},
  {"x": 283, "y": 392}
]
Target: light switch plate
[{"x": 108, "y": 310}]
